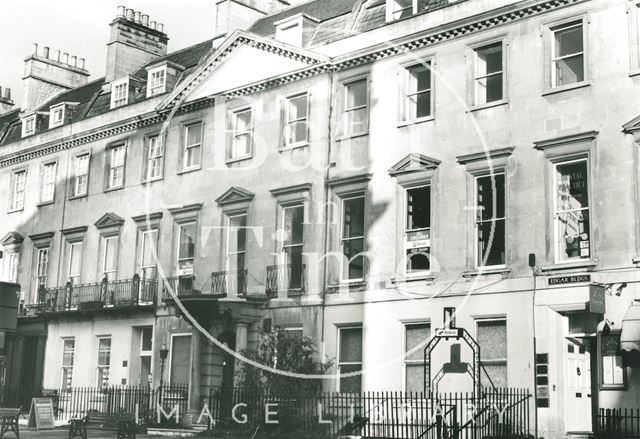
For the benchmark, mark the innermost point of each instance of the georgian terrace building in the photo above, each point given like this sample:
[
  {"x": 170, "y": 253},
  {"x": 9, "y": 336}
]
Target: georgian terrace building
[{"x": 345, "y": 170}]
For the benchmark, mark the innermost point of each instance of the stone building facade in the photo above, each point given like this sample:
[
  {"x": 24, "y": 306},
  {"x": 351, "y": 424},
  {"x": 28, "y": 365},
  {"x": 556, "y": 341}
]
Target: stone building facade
[{"x": 346, "y": 170}]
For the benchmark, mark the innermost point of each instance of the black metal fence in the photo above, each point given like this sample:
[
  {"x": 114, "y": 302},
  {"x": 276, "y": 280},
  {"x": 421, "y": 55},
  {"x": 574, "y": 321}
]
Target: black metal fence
[
  {"x": 500, "y": 413},
  {"x": 77, "y": 401},
  {"x": 618, "y": 424}
]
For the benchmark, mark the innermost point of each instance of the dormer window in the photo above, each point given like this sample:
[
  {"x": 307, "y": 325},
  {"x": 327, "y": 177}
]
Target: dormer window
[
  {"x": 56, "y": 116},
  {"x": 401, "y": 8},
  {"x": 157, "y": 81},
  {"x": 296, "y": 30},
  {"x": 29, "y": 125},
  {"x": 120, "y": 93}
]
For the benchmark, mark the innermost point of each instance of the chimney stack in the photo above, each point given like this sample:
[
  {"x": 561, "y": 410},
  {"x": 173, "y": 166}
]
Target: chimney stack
[
  {"x": 6, "y": 104},
  {"x": 46, "y": 76},
  {"x": 241, "y": 14},
  {"x": 135, "y": 40}
]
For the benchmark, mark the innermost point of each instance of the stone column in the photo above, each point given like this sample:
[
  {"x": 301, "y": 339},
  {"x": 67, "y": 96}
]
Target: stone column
[
  {"x": 16, "y": 361},
  {"x": 39, "y": 370},
  {"x": 194, "y": 391}
]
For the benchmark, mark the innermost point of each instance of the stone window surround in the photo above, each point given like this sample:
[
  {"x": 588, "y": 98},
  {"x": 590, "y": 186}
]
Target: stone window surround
[
  {"x": 72, "y": 236},
  {"x": 415, "y": 59},
  {"x": 471, "y": 58},
  {"x": 145, "y": 223},
  {"x": 124, "y": 143},
  {"x": 192, "y": 120},
  {"x": 12, "y": 183},
  {"x": 232, "y": 108},
  {"x": 52, "y": 111},
  {"x": 43, "y": 165},
  {"x": 185, "y": 215}
]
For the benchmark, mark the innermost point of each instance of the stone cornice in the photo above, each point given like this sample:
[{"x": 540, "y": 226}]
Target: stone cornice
[
  {"x": 487, "y": 155},
  {"x": 564, "y": 140},
  {"x": 304, "y": 187}
]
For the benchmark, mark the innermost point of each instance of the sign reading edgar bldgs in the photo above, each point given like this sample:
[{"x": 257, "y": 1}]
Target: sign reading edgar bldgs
[{"x": 575, "y": 279}]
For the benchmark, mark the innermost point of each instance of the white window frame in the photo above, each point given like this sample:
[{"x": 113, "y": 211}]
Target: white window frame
[
  {"x": 143, "y": 268},
  {"x": 18, "y": 190},
  {"x": 146, "y": 354},
  {"x": 612, "y": 385},
  {"x": 229, "y": 253},
  {"x": 478, "y": 222},
  {"x": 11, "y": 266},
  {"x": 556, "y": 212},
  {"x": 395, "y": 13},
  {"x": 156, "y": 81},
  {"x": 408, "y": 106},
  {"x": 100, "y": 368},
  {"x": 551, "y": 28},
  {"x": 477, "y": 77},
  {"x": 55, "y": 111},
  {"x": 29, "y": 125},
  {"x": 77, "y": 175},
  {"x": 64, "y": 367},
  {"x": 340, "y": 364},
  {"x": 119, "y": 99},
  {"x": 406, "y": 189},
  {"x": 284, "y": 246},
  {"x": 187, "y": 147},
  {"x": 288, "y": 122},
  {"x": 342, "y": 239},
  {"x": 116, "y": 166},
  {"x": 72, "y": 246},
  {"x": 193, "y": 258},
  {"x": 347, "y": 132},
  {"x": 495, "y": 361},
  {"x": 154, "y": 159},
  {"x": 42, "y": 267},
  {"x": 48, "y": 182},
  {"x": 106, "y": 242},
  {"x": 405, "y": 361},
  {"x": 248, "y": 132}
]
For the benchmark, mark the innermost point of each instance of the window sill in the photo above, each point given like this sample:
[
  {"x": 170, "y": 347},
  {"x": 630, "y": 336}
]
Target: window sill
[
  {"x": 407, "y": 278},
  {"x": 16, "y": 210},
  {"x": 487, "y": 271},
  {"x": 46, "y": 203},
  {"x": 293, "y": 147},
  {"x": 112, "y": 189},
  {"x": 238, "y": 159},
  {"x": 580, "y": 266},
  {"x": 359, "y": 285},
  {"x": 605, "y": 387},
  {"x": 77, "y": 197},
  {"x": 187, "y": 170},
  {"x": 563, "y": 88},
  {"x": 634, "y": 72},
  {"x": 153, "y": 180},
  {"x": 406, "y": 123},
  {"x": 479, "y": 107},
  {"x": 351, "y": 136}
]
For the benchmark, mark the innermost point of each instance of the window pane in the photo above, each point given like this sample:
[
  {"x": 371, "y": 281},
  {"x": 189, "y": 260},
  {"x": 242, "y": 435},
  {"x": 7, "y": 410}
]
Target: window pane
[
  {"x": 351, "y": 384},
  {"x": 612, "y": 362},
  {"x": 419, "y": 78},
  {"x": 294, "y": 258},
  {"x": 67, "y": 354},
  {"x": 147, "y": 339},
  {"x": 491, "y": 249},
  {"x": 110, "y": 254},
  {"x": 488, "y": 207},
  {"x": 149, "y": 241},
  {"x": 298, "y": 107},
  {"x": 293, "y": 225},
  {"x": 104, "y": 352},
  {"x": 572, "y": 185},
  {"x": 416, "y": 334},
  {"x": 192, "y": 156},
  {"x": 568, "y": 41},
  {"x": 422, "y": 103},
  {"x": 492, "y": 338},
  {"x": 297, "y": 132},
  {"x": 187, "y": 241},
  {"x": 194, "y": 134},
  {"x": 243, "y": 121},
  {"x": 75, "y": 259},
  {"x": 570, "y": 70},
  {"x": 357, "y": 94},
  {"x": 414, "y": 378},
  {"x": 354, "y": 265},
  {"x": 419, "y": 208},
  {"x": 353, "y": 217},
  {"x": 573, "y": 234},
  {"x": 241, "y": 145},
  {"x": 237, "y": 233},
  {"x": 350, "y": 345},
  {"x": 489, "y": 59}
]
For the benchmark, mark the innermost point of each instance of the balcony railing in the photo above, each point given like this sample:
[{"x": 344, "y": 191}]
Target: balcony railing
[
  {"x": 287, "y": 279},
  {"x": 181, "y": 286},
  {"x": 229, "y": 283},
  {"x": 105, "y": 294}
]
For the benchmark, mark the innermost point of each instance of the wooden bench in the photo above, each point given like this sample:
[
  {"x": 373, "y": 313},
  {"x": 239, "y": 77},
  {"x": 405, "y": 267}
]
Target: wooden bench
[
  {"x": 9, "y": 421},
  {"x": 123, "y": 423}
]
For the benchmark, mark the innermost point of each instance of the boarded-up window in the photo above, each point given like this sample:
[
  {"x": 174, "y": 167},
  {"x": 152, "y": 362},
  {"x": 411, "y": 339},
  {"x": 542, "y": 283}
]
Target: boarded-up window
[
  {"x": 180, "y": 359},
  {"x": 415, "y": 336},
  {"x": 492, "y": 338}
]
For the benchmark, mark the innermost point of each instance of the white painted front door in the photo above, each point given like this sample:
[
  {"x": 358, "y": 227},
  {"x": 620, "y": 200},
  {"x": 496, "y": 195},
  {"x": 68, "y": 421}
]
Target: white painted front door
[{"x": 578, "y": 386}]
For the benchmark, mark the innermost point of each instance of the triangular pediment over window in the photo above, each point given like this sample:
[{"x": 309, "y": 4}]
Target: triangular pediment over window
[
  {"x": 235, "y": 195},
  {"x": 413, "y": 162},
  {"x": 242, "y": 60},
  {"x": 633, "y": 126},
  {"x": 109, "y": 220},
  {"x": 12, "y": 238}
]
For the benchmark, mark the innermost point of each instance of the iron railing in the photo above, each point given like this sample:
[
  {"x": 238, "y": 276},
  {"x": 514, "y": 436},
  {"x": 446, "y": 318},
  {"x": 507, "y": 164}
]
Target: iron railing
[
  {"x": 618, "y": 424},
  {"x": 229, "y": 283},
  {"x": 287, "y": 279},
  {"x": 500, "y": 413},
  {"x": 181, "y": 286},
  {"x": 105, "y": 294},
  {"x": 75, "y": 402}
]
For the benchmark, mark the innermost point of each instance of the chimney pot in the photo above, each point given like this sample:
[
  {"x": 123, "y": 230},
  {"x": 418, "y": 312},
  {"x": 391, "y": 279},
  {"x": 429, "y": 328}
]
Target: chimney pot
[
  {"x": 74, "y": 60},
  {"x": 129, "y": 14},
  {"x": 136, "y": 16},
  {"x": 34, "y": 49},
  {"x": 145, "y": 20},
  {"x": 121, "y": 10},
  {"x": 160, "y": 27},
  {"x": 65, "y": 58},
  {"x": 7, "y": 93},
  {"x": 57, "y": 55},
  {"x": 152, "y": 24},
  {"x": 81, "y": 63},
  {"x": 45, "y": 52}
]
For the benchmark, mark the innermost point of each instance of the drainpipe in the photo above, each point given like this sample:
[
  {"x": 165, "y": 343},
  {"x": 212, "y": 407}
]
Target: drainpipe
[{"x": 535, "y": 270}]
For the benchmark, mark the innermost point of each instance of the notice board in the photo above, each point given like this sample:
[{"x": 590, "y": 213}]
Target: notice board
[{"x": 41, "y": 414}]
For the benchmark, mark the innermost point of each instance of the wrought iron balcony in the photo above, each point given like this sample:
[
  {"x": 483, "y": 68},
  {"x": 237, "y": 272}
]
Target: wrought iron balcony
[
  {"x": 181, "y": 286},
  {"x": 287, "y": 279},
  {"x": 229, "y": 283},
  {"x": 95, "y": 296}
]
